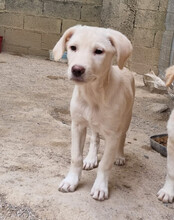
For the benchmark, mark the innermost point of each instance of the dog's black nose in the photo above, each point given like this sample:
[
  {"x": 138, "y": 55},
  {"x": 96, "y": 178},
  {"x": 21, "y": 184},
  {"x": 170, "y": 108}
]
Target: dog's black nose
[{"x": 77, "y": 70}]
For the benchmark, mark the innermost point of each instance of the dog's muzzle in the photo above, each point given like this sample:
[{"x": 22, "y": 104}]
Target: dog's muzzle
[{"x": 77, "y": 73}]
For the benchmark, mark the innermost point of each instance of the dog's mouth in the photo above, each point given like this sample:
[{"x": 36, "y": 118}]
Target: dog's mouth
[{"x": 77, "y": 79}]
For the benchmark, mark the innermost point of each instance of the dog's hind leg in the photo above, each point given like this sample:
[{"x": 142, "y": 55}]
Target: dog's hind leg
[
  {"x": 91, "y": 160},
  {"x": 120, "y": 159}
]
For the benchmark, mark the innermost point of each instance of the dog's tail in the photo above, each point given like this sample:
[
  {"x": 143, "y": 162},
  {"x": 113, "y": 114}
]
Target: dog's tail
[{"x": 169, "y": 76}]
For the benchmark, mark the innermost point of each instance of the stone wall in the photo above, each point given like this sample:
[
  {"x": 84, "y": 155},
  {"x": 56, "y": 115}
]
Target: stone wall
[
  {"x": 34, "y": 26},
  {"x": 167, "y": 46},
  {"x": 143, "y": 21}
]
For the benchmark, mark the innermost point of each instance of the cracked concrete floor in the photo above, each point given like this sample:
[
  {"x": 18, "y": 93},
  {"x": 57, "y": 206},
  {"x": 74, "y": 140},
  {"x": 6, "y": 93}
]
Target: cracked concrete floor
[{"x": 35, "y": 150}]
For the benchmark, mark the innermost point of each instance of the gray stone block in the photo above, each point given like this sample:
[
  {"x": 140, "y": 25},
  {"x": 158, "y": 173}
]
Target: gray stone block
[
  {"x": 158, "y": 39},
  {"x": 14, "y": 48},
  {"x": 62, "y": 10},
  {"x": 25, "y": 6},
  {"x": 145, "y": 55},
  {"x": 23, "y": 38},
  {"x": 90, "y": 13},
  {"x": 11, "y": 20},
  {"x": 141, "y": 68},
  {"x": 165, "y": 53},
  {"x": 150, "y": 19},
  {"x": 170, "y": 6},
  {"x": 167, "y": 39},
  {"x": 163, "y": 5},
  {"x": 38, "y": 52},
  {"x": 2, "y": 4},
  {"x": 148, "y": 4},
  {"x": 143, "y": 37},
  {"x": 94, "y": 2},
  {"x": 67, "y": 23},
  {"x": 1, "y": 31},
  {"x": 42, "y": 24},
  {"x": 170, "y": 21},
  {"x": 49, "y": 41}
]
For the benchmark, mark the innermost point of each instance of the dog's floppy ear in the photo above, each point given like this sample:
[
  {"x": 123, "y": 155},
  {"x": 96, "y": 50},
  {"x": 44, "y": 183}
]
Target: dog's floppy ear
[
  {"x": 122, "y": 45},
  {"x": 169, "y": 76},
  {"x": 59, "y": 48}
]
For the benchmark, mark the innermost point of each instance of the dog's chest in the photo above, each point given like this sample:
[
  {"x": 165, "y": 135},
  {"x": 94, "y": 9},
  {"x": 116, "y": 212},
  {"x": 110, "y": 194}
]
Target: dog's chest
[
  {"x": 94, "y": 121},
  {"x": 96, "y": 118},
  {"x": 92, "y": 116}
]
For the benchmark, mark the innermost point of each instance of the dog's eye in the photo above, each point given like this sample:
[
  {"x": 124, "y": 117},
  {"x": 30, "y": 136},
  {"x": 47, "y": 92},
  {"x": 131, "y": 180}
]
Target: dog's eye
[
  {"x": 73, "y": 48},
  {"x": 98, "y": 51}
]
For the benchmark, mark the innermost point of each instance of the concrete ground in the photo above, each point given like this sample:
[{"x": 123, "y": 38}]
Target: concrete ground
[{"x": 35, "y": 150}]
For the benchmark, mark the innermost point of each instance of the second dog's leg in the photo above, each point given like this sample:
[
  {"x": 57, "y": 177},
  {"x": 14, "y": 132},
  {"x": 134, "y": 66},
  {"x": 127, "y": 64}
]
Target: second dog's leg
[
  {"x": 166, "y": 194},
  {"x": 91, "y": 159},
  {"x": 71, "y": 181},
  {"x": 99, "y": 190}
]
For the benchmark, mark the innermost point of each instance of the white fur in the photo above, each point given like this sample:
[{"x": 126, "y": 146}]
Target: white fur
[
  {"x": 101, "y": 100},
  {"x": 166, "y": 194}
]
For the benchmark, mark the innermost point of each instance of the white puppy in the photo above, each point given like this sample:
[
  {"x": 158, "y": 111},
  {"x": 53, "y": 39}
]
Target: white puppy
[
  {"x": 102, "y": 100},
  {"x": 166, "y": 194}
]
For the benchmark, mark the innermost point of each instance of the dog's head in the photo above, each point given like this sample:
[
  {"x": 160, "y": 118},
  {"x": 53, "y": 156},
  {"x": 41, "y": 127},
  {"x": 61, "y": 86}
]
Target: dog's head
[
  {"x": 90, "y": 51},
  {"x": 169, "y": 75}
]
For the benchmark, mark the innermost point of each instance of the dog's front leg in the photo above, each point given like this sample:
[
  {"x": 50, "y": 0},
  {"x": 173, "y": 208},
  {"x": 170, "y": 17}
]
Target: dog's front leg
[
  {"x": 71, "y": 181},
  {"x": 166, "y": 194},
  {"x": 99, "y": 190}
]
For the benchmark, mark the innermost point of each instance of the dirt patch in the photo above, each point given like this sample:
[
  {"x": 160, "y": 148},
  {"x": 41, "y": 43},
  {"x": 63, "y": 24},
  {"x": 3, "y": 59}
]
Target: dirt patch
[
  {"x": 10, "y": 211},
  {"x": 35, "y": 150}
]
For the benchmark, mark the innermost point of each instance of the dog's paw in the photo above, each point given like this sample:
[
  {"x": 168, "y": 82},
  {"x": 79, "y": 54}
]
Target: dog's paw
[
  {"x": 69, "y": 184},
  {"x": 99, "y": 192},
  {"x": 166, "y": 195},
  {"x": 90, "y": 162},
  {"x": 120, "y": 161}
]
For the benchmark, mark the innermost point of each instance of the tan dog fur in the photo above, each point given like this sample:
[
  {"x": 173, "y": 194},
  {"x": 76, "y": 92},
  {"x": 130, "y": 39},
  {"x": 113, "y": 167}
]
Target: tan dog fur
[
  {"x": 102, "y": 100},
  {"x": 166, "y": 194}
]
